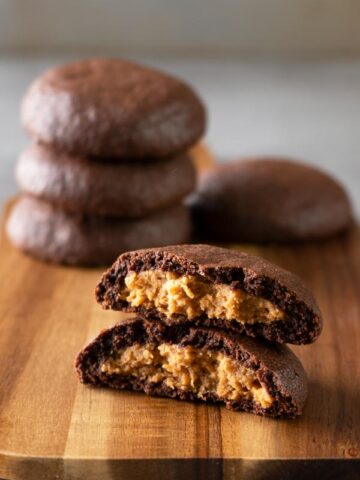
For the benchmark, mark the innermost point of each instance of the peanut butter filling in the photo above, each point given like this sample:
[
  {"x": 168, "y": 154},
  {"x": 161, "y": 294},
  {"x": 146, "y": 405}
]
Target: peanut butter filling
[
  {"x": 189, "y": 369},
  {"x": 173, "y": 294}
]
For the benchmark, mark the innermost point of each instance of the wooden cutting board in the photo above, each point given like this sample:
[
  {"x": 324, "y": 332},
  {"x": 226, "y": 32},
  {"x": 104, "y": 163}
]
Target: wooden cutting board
[{"x": 51, "y": 426}]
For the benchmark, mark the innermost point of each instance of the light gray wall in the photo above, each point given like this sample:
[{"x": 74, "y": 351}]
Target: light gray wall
[{"x": 182, "y": 26}]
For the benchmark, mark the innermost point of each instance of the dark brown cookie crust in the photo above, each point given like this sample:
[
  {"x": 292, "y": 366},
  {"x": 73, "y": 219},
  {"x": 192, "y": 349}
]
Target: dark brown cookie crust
[
  {"x": 269, "y": 200},
  {"x": 77, "y": 184},
  {"x": 113, "y": 108},
  {"x": 50, "y": 234},
  {"x": 254, "y": 275},
  {"x": 276, "y": 366}
]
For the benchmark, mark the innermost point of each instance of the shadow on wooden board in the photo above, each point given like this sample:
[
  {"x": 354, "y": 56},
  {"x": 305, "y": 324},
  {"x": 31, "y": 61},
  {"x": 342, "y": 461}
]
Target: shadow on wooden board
[{"x": 207, "y": 469}]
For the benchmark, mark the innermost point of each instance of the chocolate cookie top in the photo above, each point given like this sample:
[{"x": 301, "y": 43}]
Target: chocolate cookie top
[
  {"x": 269, "y": 200},
  {"x": 48, "y": 233},
  {"x": 78, "y": 184},
  {"x": 289, "y": 314},
  {"x": 113, "y": 108},
  {"x": 275, "y": 366}
]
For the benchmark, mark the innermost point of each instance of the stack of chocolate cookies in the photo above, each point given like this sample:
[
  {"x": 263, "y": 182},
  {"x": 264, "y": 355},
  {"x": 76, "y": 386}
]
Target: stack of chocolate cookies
[
  {"x": 211, "y": 325},
  {"x": 109, "y": 165}
]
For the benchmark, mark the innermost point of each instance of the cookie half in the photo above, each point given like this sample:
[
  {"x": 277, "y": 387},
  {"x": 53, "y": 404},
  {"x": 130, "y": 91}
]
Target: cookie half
[
  {"x": 196, "y": 364},
  {"x": 78, "y": 184},
  {"x": 269, "y": 200},
  {"x": 48, "y": 233},
  {"x": 212, "y": 286},
  {"x": 113, "y": 108}
]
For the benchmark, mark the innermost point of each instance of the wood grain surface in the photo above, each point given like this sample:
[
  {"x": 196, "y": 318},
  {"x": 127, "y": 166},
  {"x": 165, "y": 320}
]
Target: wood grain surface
[{"x": 52, "y": 427}]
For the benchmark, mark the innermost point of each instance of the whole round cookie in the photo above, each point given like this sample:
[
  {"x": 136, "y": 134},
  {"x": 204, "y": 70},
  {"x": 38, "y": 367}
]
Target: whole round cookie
[
  {"x": 78, "y": 184},
  {"x": 269, "y": 200},
  {"x": 113, "y": 108},
  {"x": 50, "y": 234}
]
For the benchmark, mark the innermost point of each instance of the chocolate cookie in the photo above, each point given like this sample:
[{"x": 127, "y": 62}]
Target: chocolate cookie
[
  {"x": 196, "y": 364},
  {"x": 111, "y": 189},
  {"x": 113, "y": 108},
  {"x": 212, "y": 286},
  {"x": 269, "y": 200},
  {"x": 48, "y": 233}
]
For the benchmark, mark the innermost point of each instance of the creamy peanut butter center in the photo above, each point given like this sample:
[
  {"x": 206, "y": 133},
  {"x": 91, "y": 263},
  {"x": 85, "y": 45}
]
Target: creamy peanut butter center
[
  {"x": 187, "y": 368},
  {"x": 173, "y": 294}
]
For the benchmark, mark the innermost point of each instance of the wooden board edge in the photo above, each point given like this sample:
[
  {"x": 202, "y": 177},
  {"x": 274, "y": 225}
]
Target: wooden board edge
[{"x": 25, "y": 468}]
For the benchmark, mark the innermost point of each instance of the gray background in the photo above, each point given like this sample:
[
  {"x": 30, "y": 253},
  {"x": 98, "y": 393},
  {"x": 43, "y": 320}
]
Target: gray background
[{"x": 278, "y": 77}]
